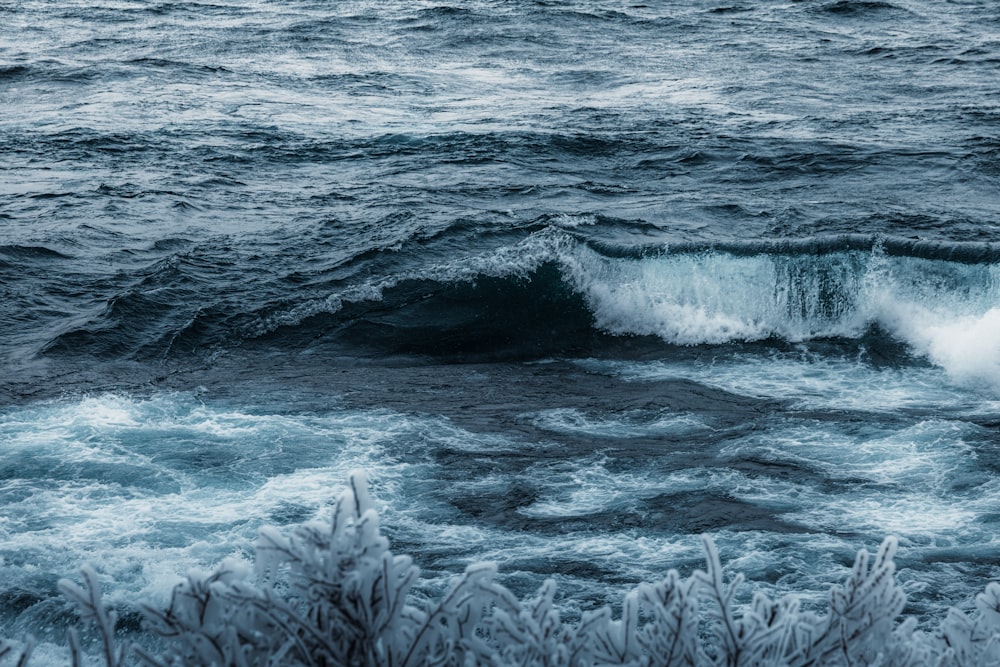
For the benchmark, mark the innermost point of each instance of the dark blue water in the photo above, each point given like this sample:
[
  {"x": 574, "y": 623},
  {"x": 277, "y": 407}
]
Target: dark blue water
[{"x": 576, "y": 282}]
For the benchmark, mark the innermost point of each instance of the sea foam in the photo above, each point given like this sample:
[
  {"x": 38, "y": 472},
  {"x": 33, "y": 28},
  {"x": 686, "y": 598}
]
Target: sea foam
[
  {"x": 967, "y": 347},
  {"x": 944, "y": 310}
]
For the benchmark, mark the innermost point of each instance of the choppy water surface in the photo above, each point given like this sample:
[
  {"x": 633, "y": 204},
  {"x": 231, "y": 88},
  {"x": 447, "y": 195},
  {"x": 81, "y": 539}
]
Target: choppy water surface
[{"x": 576, "y": 282}]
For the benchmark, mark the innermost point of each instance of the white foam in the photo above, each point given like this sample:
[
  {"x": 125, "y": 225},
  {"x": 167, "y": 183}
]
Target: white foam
[
  {"x": 627, "y": 425},
  {"x": 967, "y": 347},
  {"x": 805, "y": 380},
  {"x": 578, "y": 488},
  {"x": 709, "y": 297},
  {"x": 926, "y": 454},
  {"x": 149, "y": 488},
  {"x": 568, "y": 221},
  {"x": 947, "y": 311},
  {"x": 901, "y": 481}
]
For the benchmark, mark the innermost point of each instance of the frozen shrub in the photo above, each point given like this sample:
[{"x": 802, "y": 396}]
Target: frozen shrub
[
  {"x": 328, "y": 593},
  {"x": 87, "y": 599},
  {"x": 19, "y": 657},
  {"x": 973, "y": 641}
]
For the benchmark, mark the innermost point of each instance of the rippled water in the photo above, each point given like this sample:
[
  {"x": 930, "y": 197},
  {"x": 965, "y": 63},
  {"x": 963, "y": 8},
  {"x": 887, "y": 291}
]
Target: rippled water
[{"x": 576, "y": 282}]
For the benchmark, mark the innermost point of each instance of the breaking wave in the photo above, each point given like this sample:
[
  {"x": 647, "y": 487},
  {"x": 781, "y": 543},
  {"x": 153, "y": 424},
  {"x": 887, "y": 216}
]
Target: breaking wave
[{"x": 942, "y": 301}]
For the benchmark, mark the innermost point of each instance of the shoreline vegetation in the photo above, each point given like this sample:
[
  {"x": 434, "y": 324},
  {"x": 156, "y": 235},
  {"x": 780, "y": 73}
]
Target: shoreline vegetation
[{"x": 331, "y": 592}]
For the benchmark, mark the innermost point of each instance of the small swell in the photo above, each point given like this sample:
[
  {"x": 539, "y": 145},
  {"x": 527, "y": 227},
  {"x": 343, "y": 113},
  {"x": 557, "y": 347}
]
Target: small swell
[
  {"x": 31, "y": 252},
  {"x": 859, "y": 8},
  {"x": 13, "y": 72}
]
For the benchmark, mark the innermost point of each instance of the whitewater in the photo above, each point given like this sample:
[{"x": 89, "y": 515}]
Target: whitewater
[{"x": 575, "y": 283}]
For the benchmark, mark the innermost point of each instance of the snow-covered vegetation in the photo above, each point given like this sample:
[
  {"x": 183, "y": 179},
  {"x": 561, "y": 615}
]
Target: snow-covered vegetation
[{"x": 331, "y": 592}]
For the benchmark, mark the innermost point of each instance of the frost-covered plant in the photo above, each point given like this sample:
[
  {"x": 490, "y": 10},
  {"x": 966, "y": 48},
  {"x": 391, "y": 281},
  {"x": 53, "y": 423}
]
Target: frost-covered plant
[
  {"x": 21, "y": 656},
  {"x": 858, "y": 630},
  {"x": 88, "y": 603},
  {"x": 331, "y": 592},
  {"x": 974, "y": 641},
  {"x": 327, "y": 593}
]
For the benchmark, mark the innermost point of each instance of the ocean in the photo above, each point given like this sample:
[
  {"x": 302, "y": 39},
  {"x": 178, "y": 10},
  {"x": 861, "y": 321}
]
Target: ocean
[{"x": 575, "y": 282}]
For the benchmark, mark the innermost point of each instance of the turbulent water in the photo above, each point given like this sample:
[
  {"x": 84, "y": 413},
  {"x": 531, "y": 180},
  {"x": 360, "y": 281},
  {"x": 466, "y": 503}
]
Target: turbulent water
[{"x": 575, "y": 281}]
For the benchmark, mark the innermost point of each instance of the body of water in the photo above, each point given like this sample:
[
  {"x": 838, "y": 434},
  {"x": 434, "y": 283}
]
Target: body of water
[{"x": 574, "y": 281}]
